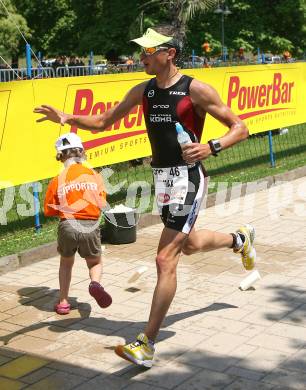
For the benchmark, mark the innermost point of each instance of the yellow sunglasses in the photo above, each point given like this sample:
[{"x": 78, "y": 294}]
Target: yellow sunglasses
[{"x": 148, "y": 51}]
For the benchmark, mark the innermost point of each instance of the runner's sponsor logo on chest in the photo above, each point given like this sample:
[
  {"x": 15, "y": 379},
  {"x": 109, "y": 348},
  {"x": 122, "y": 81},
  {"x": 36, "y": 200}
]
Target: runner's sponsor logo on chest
[
  {"x": 177, "y": 93},
  {"x": 161, "y": 118}
]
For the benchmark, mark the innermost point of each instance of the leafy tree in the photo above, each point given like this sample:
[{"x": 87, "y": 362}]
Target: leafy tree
[
  {"x": 281, "y": 25},
  {"x": 274, "y": 25},
  {"x": 180, "y": 12},
  {"x": 11, "y": 41},
  {"x": 52, "y": 24},
  {"x": 109, "y": 28},
  {"x": 88, "y": 25},
  {"x": 106, "y": 26},
  {"x": 77, "y": 26}
]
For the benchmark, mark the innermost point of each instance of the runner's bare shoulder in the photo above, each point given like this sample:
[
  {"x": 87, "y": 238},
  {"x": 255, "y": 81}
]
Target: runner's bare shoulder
[
  {"x": 202, "y": 91},
  {"x": 136, "y": 92}
]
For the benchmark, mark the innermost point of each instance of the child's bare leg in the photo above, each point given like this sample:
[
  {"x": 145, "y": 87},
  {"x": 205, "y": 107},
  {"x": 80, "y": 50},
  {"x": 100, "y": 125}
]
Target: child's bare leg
[
  {"x": 94, "y": 265},
  {"x": 102, "y": 298},
  {"x": 66, "y": 264}
]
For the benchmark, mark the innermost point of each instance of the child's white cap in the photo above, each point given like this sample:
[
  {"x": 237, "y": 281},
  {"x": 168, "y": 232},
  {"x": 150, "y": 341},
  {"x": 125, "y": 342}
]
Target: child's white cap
[{"x": 67, "y": 141}]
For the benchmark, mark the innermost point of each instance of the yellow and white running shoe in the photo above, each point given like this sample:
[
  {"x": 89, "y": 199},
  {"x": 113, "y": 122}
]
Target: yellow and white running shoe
[
  {"x": 139, "y": 352},
  {"x": 247, "y": 251}
]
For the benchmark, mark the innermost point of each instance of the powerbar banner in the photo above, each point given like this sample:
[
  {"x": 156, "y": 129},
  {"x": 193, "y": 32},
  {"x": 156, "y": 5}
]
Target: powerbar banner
[{"x": 266, "y": 97}]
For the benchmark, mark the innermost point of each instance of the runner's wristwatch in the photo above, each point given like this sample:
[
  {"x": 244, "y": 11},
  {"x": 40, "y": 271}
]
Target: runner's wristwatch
[{"x": 215, "y": 146}]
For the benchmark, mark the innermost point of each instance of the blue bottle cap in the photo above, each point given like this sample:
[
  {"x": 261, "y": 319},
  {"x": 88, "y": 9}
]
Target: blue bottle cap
[{"x": 179, "y": 127}]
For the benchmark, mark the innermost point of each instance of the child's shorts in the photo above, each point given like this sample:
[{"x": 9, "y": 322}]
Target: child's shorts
[{"x": 77, "y": 235}]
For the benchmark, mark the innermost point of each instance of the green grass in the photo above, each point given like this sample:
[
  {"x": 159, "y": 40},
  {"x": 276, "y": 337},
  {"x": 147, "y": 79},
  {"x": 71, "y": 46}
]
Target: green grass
[
  {"x": 244, "y": 162},
  {"x": 26, "y": 238},
  {"x": 250, "y": 160}
]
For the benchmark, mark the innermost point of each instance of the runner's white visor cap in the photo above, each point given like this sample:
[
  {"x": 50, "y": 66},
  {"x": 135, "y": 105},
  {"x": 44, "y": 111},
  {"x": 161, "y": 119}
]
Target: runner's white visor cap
[
  {"x": 152, "y": 38},
  {"x": 68, "y": 141}
]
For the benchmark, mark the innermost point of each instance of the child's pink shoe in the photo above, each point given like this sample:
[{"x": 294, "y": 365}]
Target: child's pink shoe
[
  {"x": 62, "y": 308},
  {"x": 101, "y": 296}
]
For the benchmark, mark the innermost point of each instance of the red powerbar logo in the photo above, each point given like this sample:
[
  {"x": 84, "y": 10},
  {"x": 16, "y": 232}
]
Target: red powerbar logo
[
  {"x": 262, "y": 96},
  {"x": 84, "y": 105}
]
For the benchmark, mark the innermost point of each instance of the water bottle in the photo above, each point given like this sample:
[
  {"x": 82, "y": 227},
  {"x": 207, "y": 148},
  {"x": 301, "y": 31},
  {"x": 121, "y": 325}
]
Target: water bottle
[{"x": 182, "y": 136}]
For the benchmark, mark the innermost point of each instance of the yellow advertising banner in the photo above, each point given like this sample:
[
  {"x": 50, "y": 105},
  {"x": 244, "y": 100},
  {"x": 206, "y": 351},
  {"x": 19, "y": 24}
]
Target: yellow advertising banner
[{"x": 265, "y": 96}]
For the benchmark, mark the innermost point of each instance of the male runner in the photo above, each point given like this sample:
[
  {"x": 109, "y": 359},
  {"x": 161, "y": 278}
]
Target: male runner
[{"x": 168, "y": 98}]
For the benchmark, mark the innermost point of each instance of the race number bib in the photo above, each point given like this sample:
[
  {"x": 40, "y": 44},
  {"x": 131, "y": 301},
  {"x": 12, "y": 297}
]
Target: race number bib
[{"x": 171, "y": 185}]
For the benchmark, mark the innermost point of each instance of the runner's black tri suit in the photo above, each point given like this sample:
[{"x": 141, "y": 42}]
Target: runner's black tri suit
[{"x": 179, "y": 188}]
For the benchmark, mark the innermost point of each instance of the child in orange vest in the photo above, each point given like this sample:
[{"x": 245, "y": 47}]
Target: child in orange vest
[{"x": 77, "y": 196}]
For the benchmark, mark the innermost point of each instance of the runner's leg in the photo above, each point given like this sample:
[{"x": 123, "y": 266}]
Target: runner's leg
[
  {"x": 206, "y": 240},
  {"x": 168, "y": 253}
]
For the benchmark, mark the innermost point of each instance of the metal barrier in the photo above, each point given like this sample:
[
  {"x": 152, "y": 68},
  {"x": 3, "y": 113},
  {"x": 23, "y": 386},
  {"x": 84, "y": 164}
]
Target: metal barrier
[
  {"x": 67, "y": 71},
  {"x": 130, "y": 67},
  {"x": 72, "y": 71},
  {"x": 42, "y": 73},
  {"x": 8, "y": 75},
  {"x": 21, "y": 74}
]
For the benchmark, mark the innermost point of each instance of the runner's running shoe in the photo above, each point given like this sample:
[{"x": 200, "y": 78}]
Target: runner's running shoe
[
  {"x": 139, "y": 352},
  {"x": 247, "y": 250}
]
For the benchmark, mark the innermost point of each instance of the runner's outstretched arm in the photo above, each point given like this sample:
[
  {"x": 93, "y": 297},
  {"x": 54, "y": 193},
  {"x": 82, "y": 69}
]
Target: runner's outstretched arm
[{"x": 94, "y": 122}]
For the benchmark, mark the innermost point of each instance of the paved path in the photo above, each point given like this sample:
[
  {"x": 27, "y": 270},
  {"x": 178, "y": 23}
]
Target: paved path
[{"x": 215, "y": 336}]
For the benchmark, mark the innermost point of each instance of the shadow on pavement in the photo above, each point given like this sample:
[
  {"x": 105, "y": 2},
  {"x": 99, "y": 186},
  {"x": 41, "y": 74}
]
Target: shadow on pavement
[
  {"x": 293, "y": 299},
  {"x": 181, "y": 367},
  {"x": 102, "y": 325},
  {"x": 196, "y": 370},
  {"x": 44, "y": 298}
]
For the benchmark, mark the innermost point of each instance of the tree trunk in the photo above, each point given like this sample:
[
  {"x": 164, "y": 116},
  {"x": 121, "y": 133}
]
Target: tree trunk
[{"x": 15, "y": 61}]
